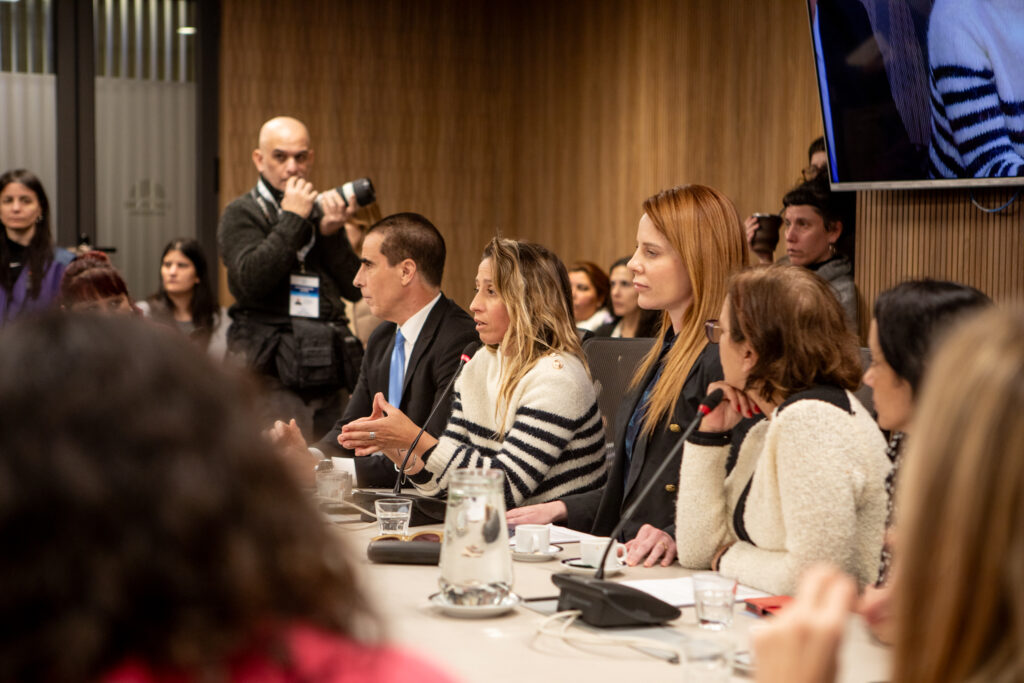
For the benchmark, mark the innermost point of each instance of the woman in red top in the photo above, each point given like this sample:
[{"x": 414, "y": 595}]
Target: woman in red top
[{"x": 149, "y": 532}]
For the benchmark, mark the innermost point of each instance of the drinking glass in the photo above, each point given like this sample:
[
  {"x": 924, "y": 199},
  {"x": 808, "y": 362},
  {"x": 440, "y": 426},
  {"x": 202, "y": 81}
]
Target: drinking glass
[
  {"x": 708, "y": 661},
  {"x": 393, "y": 516},
  {"x": 714, "y": 598}
]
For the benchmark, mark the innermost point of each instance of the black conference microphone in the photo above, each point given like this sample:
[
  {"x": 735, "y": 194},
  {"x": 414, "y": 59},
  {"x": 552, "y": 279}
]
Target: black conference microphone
[
  {"x": 431, "y": 509},
  {"x": 606, "y": 603},
  {"x": 467, "y": 353}
]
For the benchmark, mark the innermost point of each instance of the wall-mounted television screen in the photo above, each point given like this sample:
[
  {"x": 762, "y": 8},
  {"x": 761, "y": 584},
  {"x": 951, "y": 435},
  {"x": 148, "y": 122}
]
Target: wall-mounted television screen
[{"x": 920, "y": 93}]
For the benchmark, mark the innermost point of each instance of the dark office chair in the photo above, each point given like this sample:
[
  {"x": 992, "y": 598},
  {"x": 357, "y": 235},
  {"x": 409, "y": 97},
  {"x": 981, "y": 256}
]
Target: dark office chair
[{"x": 612, "y": 363}]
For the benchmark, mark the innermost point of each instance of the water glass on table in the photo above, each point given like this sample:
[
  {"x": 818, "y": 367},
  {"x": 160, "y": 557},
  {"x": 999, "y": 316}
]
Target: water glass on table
[
  {"x": 714, "y": 599},
  {"x": 708, "y": 661},
  {"x": 334, "y": 485},
  {"x": 393, "y": 516}
]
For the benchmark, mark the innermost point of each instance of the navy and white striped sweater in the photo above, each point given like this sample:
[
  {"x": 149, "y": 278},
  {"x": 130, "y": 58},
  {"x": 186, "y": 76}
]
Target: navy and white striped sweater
[
  {"x": 975, "y": 55},
  {"x": 554, "y": 440}
]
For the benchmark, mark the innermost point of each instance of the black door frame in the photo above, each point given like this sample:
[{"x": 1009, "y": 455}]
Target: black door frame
[{"x": 76, "y": 122}]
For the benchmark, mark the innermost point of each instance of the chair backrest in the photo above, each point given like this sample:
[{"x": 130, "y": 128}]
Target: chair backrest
[
  {"x": 612, "y": 363},
  {"x": 864, "y": 393}
]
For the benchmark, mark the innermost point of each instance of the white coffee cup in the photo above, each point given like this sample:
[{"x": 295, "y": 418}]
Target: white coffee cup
[
  {"x": 591, "y": 550},
  {"x": 533, "y": 538}
]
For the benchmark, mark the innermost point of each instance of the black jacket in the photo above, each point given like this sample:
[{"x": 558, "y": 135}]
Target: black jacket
[
  {"x": 260, "y": 256},
  {"x": 446, "y": 332},
  {"x": 597, "y": 512}
]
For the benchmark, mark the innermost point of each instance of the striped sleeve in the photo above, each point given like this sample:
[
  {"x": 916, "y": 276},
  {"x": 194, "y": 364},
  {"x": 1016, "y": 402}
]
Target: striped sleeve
[
  {"x": 977, "y": 118},
  {"x": 554, "y": 446}
]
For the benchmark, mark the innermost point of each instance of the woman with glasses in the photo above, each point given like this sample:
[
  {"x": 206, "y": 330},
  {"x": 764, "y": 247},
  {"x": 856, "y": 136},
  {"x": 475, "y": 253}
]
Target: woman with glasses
[
  {"x": 689, "y": 241},
  {"x": 957, "y": 603},
  {"x": 805, "y": 485}
]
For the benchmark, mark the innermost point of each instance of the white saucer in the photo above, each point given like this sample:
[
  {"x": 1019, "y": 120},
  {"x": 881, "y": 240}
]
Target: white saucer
[
  {"x": 474, "y": 611},
  {"x": 576, "y": 566},
  {"x": 536, "y": 557}
]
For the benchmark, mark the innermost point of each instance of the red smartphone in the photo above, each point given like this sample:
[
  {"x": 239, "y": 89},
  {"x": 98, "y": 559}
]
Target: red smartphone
[{"x": 769, "y": 605}]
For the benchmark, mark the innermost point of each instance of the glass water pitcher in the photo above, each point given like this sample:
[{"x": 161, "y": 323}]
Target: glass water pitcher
[{"x": 476, "y": 564}]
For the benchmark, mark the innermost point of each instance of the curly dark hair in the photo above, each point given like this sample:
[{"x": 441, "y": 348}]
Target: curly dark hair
[
  {"x": 797, "y": 328},
  {"x": 142, "y": 514}
]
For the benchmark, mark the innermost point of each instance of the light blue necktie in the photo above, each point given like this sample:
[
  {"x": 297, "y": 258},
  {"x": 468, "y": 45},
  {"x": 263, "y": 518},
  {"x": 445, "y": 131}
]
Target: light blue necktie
[{"x": 397, "y": 373}]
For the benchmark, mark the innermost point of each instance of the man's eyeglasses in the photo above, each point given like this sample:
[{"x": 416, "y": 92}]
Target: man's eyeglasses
[{"x": 713, "y": 331}]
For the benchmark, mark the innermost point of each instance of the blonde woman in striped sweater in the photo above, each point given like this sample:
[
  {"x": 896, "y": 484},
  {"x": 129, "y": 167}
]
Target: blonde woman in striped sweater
[{"x": 525, "y": 402}]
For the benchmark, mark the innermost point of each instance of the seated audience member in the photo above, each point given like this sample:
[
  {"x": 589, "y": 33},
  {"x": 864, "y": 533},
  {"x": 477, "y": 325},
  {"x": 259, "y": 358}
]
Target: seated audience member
[
  {"x": 630, "y": 319},
  {"x": 958, "y": 607},
  {"x": 817, "y": 164},
  {"x": 91, "y": 283},
  {"x": 30, "y": 266},
  {"x": 524, "y": 403},
  {"x": 805, "y": 485},
  {"x": 689, "y": 241},
  {"x": 909, "y": 321},
  {"x": 185, "y": 298},
  {"x": 402, "y": 260},
  {"x": 589, "y": 295},
  {"x": 813, "y": 219},
  {"x": 143, "y": 547}
]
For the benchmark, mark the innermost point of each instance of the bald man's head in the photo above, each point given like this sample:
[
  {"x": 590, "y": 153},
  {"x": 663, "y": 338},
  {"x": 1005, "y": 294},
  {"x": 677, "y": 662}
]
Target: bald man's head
[{"x": 283, "y": 150}]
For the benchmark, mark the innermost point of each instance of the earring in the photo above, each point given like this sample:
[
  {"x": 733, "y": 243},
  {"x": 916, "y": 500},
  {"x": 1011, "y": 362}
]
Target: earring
[
  {"x": 831, "y": 250},
  {"x": 40, "y": 219}
]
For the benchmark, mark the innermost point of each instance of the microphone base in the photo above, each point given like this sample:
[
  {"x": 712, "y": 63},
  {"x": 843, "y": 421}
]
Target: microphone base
[
  {"x": 607, "y": 604},
  {"x": 425, "y": 510}
]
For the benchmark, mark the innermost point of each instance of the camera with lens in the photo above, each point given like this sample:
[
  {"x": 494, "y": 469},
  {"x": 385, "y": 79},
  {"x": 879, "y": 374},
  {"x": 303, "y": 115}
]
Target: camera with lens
[{"x": 358, "y": 192}]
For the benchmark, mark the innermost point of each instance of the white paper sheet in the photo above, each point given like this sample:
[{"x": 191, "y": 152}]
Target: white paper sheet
[{"x": 679, "y": 592}]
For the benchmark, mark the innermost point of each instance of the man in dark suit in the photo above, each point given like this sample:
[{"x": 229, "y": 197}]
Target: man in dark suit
[{"x": 402, "y": 263}]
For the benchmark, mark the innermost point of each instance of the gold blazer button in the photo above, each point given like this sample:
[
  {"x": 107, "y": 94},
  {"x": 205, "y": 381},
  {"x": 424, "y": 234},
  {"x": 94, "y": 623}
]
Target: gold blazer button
[
  {"x": 670, "y": 488},
  {"x": 674, "y": 428}
]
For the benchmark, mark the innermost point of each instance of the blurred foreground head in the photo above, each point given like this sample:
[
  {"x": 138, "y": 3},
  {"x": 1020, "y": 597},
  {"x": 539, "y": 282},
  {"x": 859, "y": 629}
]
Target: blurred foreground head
[
  {"x": 959, "y": 594},
  {"x": 141, "y": 513}
]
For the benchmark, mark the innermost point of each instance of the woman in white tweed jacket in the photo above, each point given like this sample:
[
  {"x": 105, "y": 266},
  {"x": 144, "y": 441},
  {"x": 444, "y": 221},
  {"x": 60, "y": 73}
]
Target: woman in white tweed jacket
[
  {"x": 805, "y": 485},
  {"x": 525, "y": 403}
]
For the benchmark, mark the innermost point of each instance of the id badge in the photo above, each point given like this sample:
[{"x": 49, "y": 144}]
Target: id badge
[{"x": 304, "y": 296}]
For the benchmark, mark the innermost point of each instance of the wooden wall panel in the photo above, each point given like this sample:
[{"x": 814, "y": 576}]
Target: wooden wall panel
[
  {"x": 939, "y": 234},
  {"x": 616, "y": 101},
  {"x": 407, "y": 93},
  {"x": 545, "y": 120}
]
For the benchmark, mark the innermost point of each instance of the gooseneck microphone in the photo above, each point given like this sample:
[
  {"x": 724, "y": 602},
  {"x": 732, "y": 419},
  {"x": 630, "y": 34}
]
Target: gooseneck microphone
[
  {"x": 467, "y": 353},
  {"x": 606, "y": 603}
]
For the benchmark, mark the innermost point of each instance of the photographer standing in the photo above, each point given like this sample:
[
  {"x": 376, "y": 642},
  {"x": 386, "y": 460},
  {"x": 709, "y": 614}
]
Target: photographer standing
[{"x": 289, "y": 263}]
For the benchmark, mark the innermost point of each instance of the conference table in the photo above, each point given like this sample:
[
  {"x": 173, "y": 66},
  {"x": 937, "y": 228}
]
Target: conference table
[{"x": 508, "y": 647}]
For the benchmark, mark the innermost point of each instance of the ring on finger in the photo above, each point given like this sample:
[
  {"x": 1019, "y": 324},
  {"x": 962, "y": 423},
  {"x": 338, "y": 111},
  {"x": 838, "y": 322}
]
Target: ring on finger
[{"x": 373, "y": 436}]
